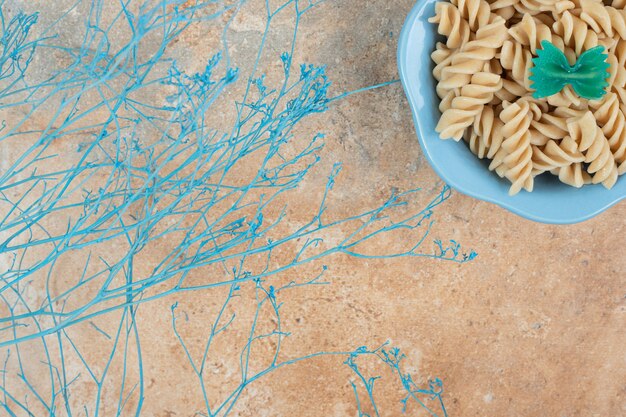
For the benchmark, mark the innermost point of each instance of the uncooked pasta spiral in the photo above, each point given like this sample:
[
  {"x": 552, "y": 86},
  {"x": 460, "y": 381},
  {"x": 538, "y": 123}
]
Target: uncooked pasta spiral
[
  {"x": 476, "y": 12},
  {"x": 619, "y": 4},
  {"x": 569, "y": 112},
  {"x": 594, "y": 145},
  {"x": 573, "y": 175},
  {"x": 614, "y": 70},
  {"x": 441, "y": 56},
  {"x": 617, "y": 59},
  {"x": 501, "y": 4},
  {"x": 483, "y": 76},
  {"x": 550, "y": 127},
  {"x": 468, "y": 105},
  {"x": 537, "y": 106},
  {"x": 617, "y": 71},
  {"x": 473, "y": 55},
  {"x": 516, "y": 58},
  {"x": 556, "y": 155},
  {"x": 604, "y": 19},
  {"x": 485, "y": 137},
  {"x": 504, "y": 8},
  {"x": 621, "y": 92},
  {"x": 620, "y": 51},
  {"x": 613, "y": 123},
  {"x": 566, "y": 98},
  {"x": 506, "y": 13},
  {"x": 518, "y": 160},
  {"x": 531, "y": 31},
  {"x": 451, "y": 25},
  {"x": 575, "y": 33},
  {"x": 510, "y": 90},
  {"x": 493, "y": 66},
  {"x": 538, "y": 6},
  {"x": 446, "y": 100}
]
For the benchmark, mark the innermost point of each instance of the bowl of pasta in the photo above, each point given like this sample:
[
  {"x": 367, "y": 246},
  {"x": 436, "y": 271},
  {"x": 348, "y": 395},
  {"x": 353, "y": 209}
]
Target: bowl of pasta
[{"x": 467, "y": 70}]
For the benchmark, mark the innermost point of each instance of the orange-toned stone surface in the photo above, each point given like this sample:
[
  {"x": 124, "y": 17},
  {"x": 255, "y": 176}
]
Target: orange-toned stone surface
[{"x": 534, "y": 326}]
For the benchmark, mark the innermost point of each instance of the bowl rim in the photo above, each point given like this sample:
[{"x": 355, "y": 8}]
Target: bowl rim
[{"x": 475, "y": 193}]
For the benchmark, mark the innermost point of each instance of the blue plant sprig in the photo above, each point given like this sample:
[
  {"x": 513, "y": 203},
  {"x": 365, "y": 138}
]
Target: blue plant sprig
[{"x": 118, "y": 189}]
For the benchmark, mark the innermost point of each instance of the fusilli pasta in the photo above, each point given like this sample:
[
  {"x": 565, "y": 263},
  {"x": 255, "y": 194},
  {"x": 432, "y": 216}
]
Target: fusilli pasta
[{"x": 482, "y": 72}]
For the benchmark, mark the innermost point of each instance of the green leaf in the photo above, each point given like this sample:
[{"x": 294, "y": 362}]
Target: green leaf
[{"x": 552, "y": 72}]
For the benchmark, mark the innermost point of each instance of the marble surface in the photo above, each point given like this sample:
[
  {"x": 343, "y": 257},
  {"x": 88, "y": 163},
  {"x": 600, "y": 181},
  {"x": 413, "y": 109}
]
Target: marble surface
[{"x": 534, "y": 326}]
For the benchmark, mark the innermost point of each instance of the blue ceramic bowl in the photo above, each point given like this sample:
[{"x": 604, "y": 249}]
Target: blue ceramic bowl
[{"x": 550, "y": 202}]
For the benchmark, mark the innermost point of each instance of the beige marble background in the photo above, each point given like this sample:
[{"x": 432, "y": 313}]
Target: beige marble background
[{"x": 534, "y": 326}]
